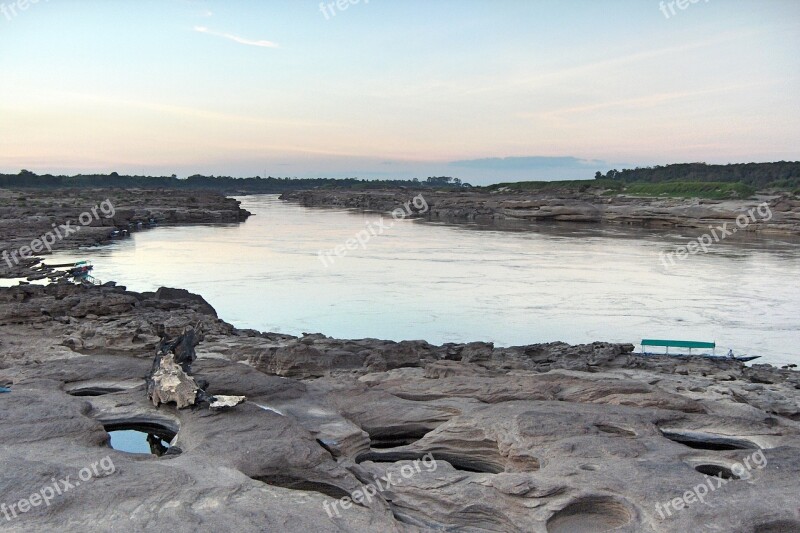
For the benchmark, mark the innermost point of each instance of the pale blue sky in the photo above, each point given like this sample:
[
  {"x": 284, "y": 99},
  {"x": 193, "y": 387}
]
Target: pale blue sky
[{"x": 396, "y": 88}]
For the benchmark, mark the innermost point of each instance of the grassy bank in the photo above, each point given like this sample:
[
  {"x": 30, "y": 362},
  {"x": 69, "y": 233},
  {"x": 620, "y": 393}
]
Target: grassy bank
[
  {"x": 677, "y": 189},
  {"x": 569, "y": 185}
]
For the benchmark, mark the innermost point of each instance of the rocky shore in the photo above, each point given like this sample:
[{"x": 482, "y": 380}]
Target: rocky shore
[
  {"x": 371, "y": 435},
  {"x": 28, "y": 214},
  {"x": 541, "y": 438},
  {"x": 568, "y": 206}
]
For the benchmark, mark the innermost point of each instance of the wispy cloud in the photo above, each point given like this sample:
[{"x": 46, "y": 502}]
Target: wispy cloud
[
  {"x": 644, "y": 102},
  {"x": 236, "y": 38}
]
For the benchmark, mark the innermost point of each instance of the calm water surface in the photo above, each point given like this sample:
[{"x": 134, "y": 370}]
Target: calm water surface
[{"x": 453, "y": 283}]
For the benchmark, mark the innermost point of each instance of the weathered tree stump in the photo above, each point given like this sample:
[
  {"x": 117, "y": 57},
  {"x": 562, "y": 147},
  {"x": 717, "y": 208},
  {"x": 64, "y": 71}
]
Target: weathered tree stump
[{"x": 170, "y": 380}]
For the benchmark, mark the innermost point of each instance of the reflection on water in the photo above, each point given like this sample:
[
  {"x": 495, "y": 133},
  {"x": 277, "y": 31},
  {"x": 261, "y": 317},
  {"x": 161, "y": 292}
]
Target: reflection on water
[
  {"x": 132, "y": 441},
  {"x": 455, "y": 283}
]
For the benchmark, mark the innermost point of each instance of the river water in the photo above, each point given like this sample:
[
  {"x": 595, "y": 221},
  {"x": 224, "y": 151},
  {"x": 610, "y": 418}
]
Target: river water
[{"x": 460, "y": 283}]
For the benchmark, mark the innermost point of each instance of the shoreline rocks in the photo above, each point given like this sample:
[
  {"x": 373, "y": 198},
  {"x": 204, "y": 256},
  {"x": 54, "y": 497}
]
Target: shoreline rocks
[
  {"x": 28, "y": 214},
  {"x": 564, "y": 206},
  {"x": 543, "y": 438}
]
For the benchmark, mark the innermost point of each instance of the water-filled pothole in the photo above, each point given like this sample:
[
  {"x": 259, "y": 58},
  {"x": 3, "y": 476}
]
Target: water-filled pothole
[
  {"x": 707, "y": 441},
  {"x": 716, "y": 471},
  {"x": 589, "y": 515},
  {"x": 459, "y": 462},
  {"x": 141, "y": 437}
]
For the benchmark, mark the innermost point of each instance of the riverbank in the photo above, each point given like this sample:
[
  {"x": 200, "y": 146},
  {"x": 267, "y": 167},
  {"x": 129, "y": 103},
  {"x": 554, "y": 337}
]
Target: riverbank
[
  {"x": 52, "y": 218},
  {"x": 542, "y": 438},
  {"x": 780, "y": 214},
  {"x": 537, "y": 436}
]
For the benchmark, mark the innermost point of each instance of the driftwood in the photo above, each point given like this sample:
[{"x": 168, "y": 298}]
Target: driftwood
[{"x": 170, "y": 379}]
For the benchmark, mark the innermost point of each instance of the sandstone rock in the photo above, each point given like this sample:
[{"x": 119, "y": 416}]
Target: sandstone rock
[
  {"x": 561, "y": 205},
  {"x": 542, "y": 438}
]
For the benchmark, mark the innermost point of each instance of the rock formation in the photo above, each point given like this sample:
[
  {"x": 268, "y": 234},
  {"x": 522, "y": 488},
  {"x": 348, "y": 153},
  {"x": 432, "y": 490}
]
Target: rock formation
[
  {"x": 373, "y": 435},
  {"x": 510, "y": 207},
  {"x": 27, "y": 214},
  {"x": 545, "y": 438}
]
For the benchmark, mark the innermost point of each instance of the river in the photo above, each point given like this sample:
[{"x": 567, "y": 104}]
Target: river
[{"x": 460, "y": 283}]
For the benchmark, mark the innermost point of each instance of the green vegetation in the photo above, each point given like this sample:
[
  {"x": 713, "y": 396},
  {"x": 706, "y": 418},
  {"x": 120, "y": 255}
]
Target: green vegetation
[
  {"x": 226, "y": 184},
  {"x": 681, "y": 180},
  {"x": 784, "y": 175},
  {"x": 568, "y": 185},
  {"x": 689, "y": 180},
  {"x": 609, "y": 187}
]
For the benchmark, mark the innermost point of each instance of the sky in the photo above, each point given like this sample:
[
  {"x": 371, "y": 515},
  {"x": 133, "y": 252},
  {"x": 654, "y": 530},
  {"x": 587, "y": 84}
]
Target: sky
[{"x": 486, "y": 91}]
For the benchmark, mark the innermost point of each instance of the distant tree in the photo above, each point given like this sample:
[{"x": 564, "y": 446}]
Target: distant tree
[{"x": 441, "y": 181}]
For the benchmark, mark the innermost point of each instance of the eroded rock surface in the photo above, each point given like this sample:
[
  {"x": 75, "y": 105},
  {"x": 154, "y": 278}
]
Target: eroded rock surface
[
  {"x": 28, "y": 214},
  {"x": 545, "y": 438},
  {"x": 567, "y": 206}
]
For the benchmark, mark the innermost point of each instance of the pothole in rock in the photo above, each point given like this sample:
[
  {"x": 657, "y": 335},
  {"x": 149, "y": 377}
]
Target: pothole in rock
[
  {"x": 615, "y": 430},
  {"x": 716, "y": 471},
  {"x": 394, "y": 440},
  {"x": 100, "y": 387},
  {"x": 94, "y": 391},
  {"x": 459, "y": 462},
  {"x": 780, "y": 526},
  {"x": 142, "y": 438},
  {"x": 292, "y": 483},
  {"x": 707, "y": 441},
  {"x": 591, "y": 514}
]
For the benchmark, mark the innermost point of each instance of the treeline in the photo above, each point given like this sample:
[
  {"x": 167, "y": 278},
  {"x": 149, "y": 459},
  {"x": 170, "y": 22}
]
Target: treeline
[
  {"x": 226, "y": 184},
  {"x": 782, "y": 175}
]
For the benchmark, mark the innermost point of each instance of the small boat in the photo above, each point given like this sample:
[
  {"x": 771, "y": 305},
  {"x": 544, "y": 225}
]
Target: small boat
[
  {"x": 81, "y": 269},
  {"x": 743, "y": 359},
  {"x": 81, "y": 273},
  {"x": 693, "y": 345}
]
